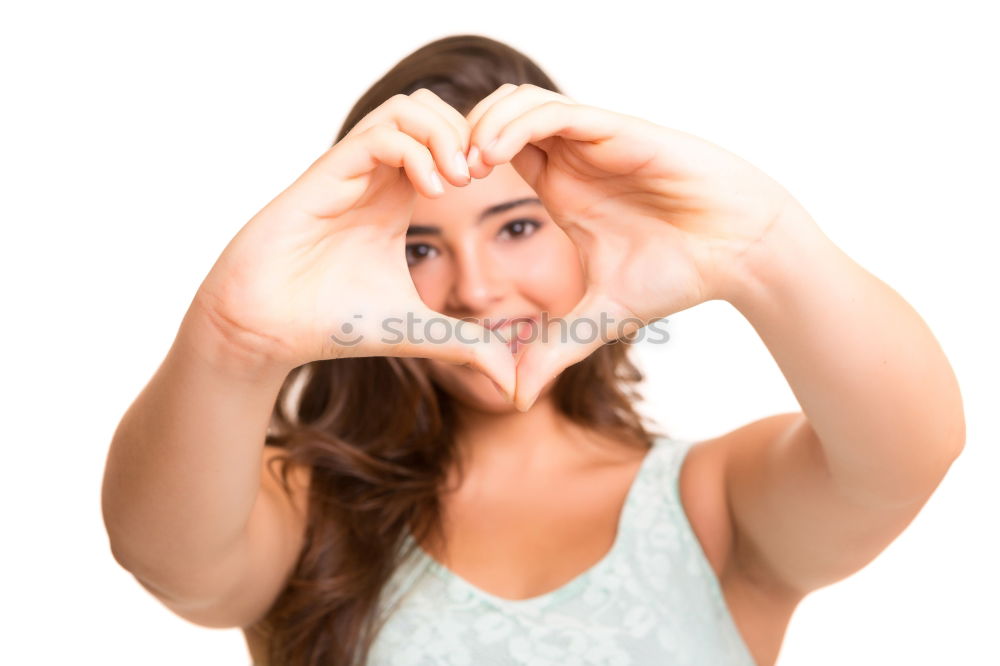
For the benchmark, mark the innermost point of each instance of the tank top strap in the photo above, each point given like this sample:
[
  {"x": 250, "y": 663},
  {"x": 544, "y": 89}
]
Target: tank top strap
[
  {"x": 668, "y": 557},
  {"x": 653, "y": 599},
  {"x": 664, "y": 544}
]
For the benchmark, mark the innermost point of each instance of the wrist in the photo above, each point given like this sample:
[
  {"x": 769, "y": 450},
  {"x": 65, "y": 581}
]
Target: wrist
[
  {"x": 791, "y": 245},
  {"x": 235, "y": 355}
]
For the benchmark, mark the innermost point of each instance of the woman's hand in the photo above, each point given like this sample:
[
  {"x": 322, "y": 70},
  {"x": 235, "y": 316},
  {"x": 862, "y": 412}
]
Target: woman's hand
[
  {"x": 663, "y": 220},
  {"x": 320, "y": 272}
]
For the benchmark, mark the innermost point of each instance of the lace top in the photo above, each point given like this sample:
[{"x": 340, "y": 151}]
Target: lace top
[{"x": 652, "y": 599}]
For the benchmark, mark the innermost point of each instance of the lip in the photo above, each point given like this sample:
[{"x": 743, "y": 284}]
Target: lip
[{"x": 508, "y": 320}]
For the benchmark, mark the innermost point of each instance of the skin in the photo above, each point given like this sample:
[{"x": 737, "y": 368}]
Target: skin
[
  {"x": 637, "y": 221},
  {"x": 663, "y": 221},
  {"x": 515, "y": 263}
]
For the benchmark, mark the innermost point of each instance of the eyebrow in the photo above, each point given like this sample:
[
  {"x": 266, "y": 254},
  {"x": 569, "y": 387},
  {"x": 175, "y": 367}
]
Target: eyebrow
[{"x": 430, "y": 229}]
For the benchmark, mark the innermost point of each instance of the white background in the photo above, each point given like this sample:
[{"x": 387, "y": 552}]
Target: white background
[{"x": 137, "y": 138}]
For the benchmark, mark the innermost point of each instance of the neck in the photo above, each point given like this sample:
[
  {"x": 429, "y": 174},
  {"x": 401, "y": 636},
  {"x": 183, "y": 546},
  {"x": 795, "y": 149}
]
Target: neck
[{"x": 539, "y": 439}]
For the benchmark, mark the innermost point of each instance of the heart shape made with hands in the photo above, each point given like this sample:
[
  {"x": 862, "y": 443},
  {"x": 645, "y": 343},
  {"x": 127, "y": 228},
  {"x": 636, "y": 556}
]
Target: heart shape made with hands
[{"x": 663, "y": 220}]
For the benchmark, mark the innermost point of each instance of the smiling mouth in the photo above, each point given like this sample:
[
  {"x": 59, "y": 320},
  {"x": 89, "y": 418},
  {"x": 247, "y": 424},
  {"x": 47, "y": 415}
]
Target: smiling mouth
[
  {"x": 518, "y": 332},
  {"x": 506, "y": 321}
]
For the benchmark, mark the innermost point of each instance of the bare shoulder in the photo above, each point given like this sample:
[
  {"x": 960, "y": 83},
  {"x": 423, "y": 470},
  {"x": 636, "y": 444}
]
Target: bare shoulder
[
  {"x": 702, "y": 487},
  {"x": 760, "y": 608}
]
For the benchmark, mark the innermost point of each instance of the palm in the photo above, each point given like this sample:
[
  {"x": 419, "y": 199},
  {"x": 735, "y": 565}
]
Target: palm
[
  {"x": 333, "y": 265},
  {"x": 663, "y": 219},
  {"x": 637, "y": 263}
]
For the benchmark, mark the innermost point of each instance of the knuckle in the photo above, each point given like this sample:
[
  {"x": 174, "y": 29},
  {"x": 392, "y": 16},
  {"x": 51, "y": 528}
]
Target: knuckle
[
  {"x": 379, "y": 131},
  {"x": 422, "y": 92},
  {"x": 396, "y": 101},
  {"x": 553, "y": 105}
]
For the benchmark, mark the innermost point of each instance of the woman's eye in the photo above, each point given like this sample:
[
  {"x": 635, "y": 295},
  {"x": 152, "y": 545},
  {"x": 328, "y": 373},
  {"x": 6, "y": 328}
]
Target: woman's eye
[
  {"x": 519, "y": 228},
  {"x": 417, "y": 252}
]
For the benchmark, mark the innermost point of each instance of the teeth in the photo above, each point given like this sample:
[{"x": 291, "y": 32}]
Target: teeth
[{"x": 518, "y": 334}]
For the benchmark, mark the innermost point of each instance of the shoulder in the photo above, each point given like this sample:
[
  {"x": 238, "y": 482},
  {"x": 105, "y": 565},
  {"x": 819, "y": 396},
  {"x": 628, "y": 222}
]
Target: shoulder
[{"x": 703, "y": 488}]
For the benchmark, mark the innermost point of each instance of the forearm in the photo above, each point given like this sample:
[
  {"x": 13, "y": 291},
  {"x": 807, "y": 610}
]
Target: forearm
[
  {"x": 872, "y": 381},
  {"x": 183, "y": 469}
]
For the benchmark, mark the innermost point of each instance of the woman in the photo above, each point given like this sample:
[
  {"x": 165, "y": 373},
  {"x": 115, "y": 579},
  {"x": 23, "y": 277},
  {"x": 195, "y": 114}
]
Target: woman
[{"x": 464, "y": 478}]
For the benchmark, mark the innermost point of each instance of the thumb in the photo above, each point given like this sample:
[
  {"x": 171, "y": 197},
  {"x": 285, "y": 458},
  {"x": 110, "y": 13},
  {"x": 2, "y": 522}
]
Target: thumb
[
  {"x": 594, "y": 322},
  {"x": 530, "y": 163},
  {"x": 461, "y": 342}
]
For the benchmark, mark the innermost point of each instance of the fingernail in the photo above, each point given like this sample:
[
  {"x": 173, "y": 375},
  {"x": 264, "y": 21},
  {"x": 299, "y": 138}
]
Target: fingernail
[
  {"x": 462, "y": 165},
  {"x": 436, "y": 185}
]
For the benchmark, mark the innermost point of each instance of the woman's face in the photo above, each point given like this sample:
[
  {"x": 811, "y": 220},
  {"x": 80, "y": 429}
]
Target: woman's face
[{"x": 489, "y": 251}]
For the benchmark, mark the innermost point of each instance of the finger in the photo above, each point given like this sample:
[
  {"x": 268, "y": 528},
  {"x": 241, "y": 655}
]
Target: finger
[
  {"x": 577, "y": 122},
  {"x": 492, "y": 118},
  {"x": 483, "y": 105},
  {"x": 530, "y": 164},
  {"x": 430, "y": 334},
  {"x": 318, "y": 190},
  {"x": 450, "y": 115},
  {"x": 447, "y": 111},
  {"x": 595, "y": 321},
  {"x": 476, "y": 167},
  {"x": 418, "y": 116},
  {"x": 325, "y": 190}
]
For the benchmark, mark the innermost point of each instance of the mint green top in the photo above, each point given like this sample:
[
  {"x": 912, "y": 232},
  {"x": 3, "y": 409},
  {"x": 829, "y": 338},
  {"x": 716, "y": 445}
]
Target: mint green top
[{"x": 652, "y": 600}]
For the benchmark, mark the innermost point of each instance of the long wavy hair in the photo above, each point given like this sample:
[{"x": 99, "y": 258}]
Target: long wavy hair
[{"x": 378, "y": 434}]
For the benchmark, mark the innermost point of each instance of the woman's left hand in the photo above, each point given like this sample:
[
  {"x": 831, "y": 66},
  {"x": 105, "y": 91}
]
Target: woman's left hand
[{"x": 663, "y": 220}]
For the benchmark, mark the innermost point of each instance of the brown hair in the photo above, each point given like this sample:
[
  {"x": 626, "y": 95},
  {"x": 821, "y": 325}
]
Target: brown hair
[{"x": 377, "y": 433}]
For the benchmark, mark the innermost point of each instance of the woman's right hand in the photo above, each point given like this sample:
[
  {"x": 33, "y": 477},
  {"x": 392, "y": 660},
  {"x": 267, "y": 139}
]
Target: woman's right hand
[{"x": 320, "y": 272}]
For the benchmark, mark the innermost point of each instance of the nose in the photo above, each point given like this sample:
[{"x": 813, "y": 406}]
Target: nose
[{"x": 479, "y": 282}]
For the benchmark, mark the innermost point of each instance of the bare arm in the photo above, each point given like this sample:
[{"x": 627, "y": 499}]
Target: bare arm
[
  {"x": 817, "y": 495},
  {"x": 183, "y": 470},
  {"x": 188, "y": 509}
]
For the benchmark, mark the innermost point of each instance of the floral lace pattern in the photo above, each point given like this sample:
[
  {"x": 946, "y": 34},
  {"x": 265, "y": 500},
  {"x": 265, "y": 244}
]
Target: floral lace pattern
[{"x": 652, "y": 599}]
